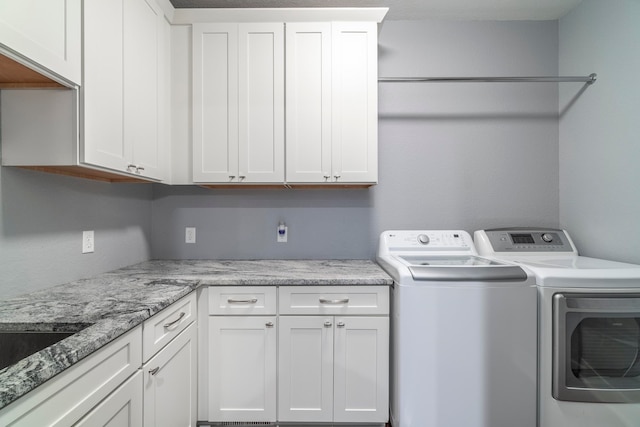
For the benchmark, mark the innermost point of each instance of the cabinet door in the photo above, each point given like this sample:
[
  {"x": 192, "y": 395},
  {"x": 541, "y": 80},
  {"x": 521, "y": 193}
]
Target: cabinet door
[
  {"x": 170, "y": 383},
  {"x": 143, "y": 73},
  {"x": 122, "y": 408},
  {"x": 47, "y": 32},
  {"x": 308, "y": 127},
  {"x": 215, "y": 102},
  {"x": 354, "y": 102},
  {"x": 361, "y": 369},
  {"x": 261, "y": 102},
  {"x": 305, "y": 369},
  {"x": 103, "y": 85},
  {"x": 242, "y": 368}
]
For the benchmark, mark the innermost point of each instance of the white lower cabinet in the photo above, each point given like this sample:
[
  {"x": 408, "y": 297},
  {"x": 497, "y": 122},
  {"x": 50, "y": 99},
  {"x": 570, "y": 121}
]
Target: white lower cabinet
[
  {"x": 242, "y": 378},
  {"x": 123, "y": 407},
  {"x": 170, "y": 383},
  {"x": 241, "y": 357},
  {"x": 78, "y": 391},
  {"x": 333, "y": 369},
  {"x": 298, "y": 354},
  {"x": 305, "y": 369}
]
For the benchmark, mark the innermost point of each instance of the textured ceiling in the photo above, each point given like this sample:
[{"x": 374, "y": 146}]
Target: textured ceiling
[{"x": 416, "y": 9}]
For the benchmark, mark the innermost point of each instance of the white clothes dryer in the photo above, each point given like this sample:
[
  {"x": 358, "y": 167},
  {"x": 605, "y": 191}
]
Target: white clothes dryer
[
  {"x": 463, "y": 333},
  {"x": 589, "y": 328}
]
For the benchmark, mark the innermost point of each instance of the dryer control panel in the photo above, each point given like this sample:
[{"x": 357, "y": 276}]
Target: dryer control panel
[{"x": 518, "y": 240}]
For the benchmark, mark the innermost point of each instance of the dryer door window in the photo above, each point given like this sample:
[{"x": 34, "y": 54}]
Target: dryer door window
[{"x": 596, "y": 347}]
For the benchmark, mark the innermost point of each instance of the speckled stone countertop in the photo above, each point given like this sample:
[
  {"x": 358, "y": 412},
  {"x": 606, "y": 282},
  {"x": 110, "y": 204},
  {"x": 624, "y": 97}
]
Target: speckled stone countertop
[
  {"x": 265, "y": 272},
  {"x": 110, "y": 304}
]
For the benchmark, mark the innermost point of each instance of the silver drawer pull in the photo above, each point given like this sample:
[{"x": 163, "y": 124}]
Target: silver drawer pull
[
  {"x": 154, "y": 370},
  {"x": 242, "y": 301},
  {"x": 269, "y": 324},
  {"x": 170, "y": 324},
  {"x": 334, "y": 301},
  {"x": 340, "y": 325},
  {"x": 327, "y": 324}
]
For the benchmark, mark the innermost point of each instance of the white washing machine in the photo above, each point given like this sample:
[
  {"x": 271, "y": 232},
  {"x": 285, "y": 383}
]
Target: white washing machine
[
  {"x": 463, "y": 333},
  {"x": 589, "y": 326}
]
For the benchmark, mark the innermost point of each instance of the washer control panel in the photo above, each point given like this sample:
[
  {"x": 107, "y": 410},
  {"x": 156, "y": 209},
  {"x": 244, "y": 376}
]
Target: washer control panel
[
  {"x": 516, "y": 240},
  {"x": 428, "y": 240}
]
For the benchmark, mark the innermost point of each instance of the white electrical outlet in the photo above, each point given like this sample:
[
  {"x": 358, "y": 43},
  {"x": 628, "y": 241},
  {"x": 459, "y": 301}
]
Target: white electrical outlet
[
  {"x": 87, "y": 241},
  {"x": 190, "y": 235}
]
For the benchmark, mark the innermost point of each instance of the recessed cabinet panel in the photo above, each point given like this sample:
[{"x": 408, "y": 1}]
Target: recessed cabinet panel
[
  {"x": 142, "y": 68},
  {"x": 215, "y": 102},
  {"x": 308, "y": 102},
  {"x": 103, "y": 85},
  {"x": 170, "y": 383},
  {"x": 355, "y": 100},
  {"x": 361, "y": 369},
  {"x": 242, "y": 369},
  {"x": 261, "y": 94},
  {"x": 122, "y": 408},
  {"x": 305, "y": 369}
]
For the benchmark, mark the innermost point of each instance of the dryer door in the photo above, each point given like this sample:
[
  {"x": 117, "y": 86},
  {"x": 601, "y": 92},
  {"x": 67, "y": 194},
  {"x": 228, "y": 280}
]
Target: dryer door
[{"x": 596, "y": 347}]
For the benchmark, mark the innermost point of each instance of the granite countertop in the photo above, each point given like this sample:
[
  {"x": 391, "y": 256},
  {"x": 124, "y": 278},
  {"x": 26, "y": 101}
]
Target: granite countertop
[
  {"x": 106, "y": 306},
  {"x": 265, "y": 272}
]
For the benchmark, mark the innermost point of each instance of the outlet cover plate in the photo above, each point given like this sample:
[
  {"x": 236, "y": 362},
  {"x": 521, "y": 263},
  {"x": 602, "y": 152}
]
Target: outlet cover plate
[
  {"x": 190, "y": 235},
  {"x": 88, "y": 241}
]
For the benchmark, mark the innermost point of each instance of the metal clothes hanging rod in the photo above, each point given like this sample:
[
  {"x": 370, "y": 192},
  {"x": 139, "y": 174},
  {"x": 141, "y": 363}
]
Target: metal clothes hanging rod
[{"x": 590, "y": 79}]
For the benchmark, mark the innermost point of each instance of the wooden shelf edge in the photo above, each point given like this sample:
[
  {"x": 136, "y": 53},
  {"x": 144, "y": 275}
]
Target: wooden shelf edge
[
  {"x": 85, "y": 173},
  {"x": 284, "y": 186}
]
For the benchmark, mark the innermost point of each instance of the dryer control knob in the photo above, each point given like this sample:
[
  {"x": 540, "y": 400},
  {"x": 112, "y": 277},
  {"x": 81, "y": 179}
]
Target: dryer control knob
[
  {"x": 547, "y": 237},
  {"x": 423, "y": 238}
]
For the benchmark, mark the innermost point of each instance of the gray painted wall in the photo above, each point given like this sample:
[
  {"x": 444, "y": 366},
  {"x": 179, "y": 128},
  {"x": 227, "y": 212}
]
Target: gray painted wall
[
  {"x": 463, "y": 156},
  {"x": 599, "y": 134},
  {"x": 42, "y": 217}
]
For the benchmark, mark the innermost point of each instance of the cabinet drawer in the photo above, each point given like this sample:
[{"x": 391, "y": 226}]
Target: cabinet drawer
[
  {"x": 66, "y": 398},
  {"x": 158, "y": 330},
  {"x": 236, "y": 300},
  {"x": 343, "y": 300}
]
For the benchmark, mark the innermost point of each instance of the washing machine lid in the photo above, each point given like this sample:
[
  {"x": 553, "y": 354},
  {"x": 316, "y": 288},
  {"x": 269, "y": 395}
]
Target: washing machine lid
[{"x": 461, "y": 268}]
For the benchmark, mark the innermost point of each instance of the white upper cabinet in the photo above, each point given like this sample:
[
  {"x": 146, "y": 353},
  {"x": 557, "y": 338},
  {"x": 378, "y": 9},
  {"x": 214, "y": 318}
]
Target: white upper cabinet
[
  {"x": 45, "y": 33},
  {"x": 332, "y": 103},
  {"x": 238, "y": 103},
  {"x": 115, "y": 127},
  {"x": 308, "y": 68},
  {"x": 124, "y": 105}
]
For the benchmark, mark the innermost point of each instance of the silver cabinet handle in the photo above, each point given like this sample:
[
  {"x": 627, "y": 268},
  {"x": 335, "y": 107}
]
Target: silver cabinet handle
[
  {"x": 170, "y": 324},
  {"x": 269, "y": 324},
  {"x": 337, "y": 177},
  {"x": 327, "y": 324},
  {"x": 139, "y": 168},
  {"x": 241, "y": 177},
  {"x": 231, "y": 176},
  {"x": 340, "y": 325},
  {"x": 242, "y": 301},
  {"x": 334, "y": 301},
  {"x": 154, "y": 370},
  {"x": 327, "y": 176},
  {"x": 130, "y": 167}
]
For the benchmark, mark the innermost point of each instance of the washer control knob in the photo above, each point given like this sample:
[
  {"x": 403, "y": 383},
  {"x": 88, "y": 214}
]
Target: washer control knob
[
  {"x": 547, "y": 237},
  {"x": 423, "y": 238}
]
